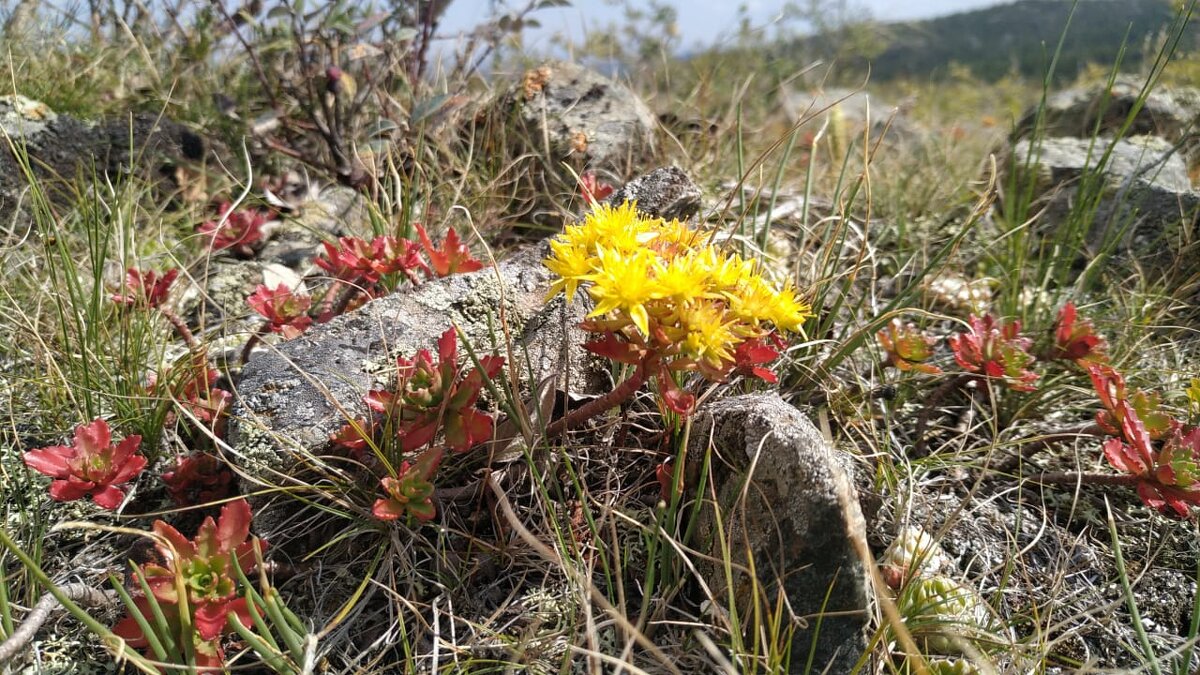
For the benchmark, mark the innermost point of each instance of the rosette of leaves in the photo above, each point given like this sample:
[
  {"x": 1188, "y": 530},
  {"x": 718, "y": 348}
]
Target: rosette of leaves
[
  {"x": 941, "y": 613},
  {"x": 92, "y": 465},
  {"x": 194, "y": 589},
  {"x": 433, "y": 396},
  {"x": 1167, "y": 477},
  {"x": 907, "y": 347},
  {"x": 996, "y": 351},
  {"x": 1075, "y": 339}
]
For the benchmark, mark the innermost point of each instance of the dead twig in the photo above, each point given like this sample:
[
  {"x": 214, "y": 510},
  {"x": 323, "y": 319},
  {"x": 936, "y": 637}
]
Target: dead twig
[{"x": 80, "y": 593}]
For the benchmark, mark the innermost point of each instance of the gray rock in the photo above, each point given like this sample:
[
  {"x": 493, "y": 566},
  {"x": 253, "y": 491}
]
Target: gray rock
[
  {"x": 61, "y": 147},
  {"x": 292, "y": 397},
  {"x": 334, "y": 212},
  {"x": 665, "y": 192},
  {"x": 799, "y": 518},
  {"x": 1079, "y": 112},
  {"x": 573, "y": 114},
  {"x": 1146, "y": 194}
]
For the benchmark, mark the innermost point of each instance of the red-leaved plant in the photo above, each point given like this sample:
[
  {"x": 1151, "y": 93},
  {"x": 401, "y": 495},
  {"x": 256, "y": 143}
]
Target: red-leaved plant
[
  {"x": 195, "y": 579},
  {"x": 1167, "y": 478},
  {"x": 236, "y": 231},
  {"x": 285, "y": 310},
  {"x": 198, "y": 478},
  {"x": 1075, "y": 339},
  {"x": 411, "y": 490},
  {"x": 1110, "y": 388},
  {"x": 145, "y": 289},
  {"x": 434, "y": 396},
  {"x": 907, "y": 348},
  {"x": 452, "y": 258},
  {"x": 997, "y": 351},
  {"x": 592, "y": 189},
  {"x": 91, "y": 466}
]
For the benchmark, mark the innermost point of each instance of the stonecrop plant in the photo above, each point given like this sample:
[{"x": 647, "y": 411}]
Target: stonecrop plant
[
  {"x": 996, "y": 350},
  {"x": 432, "y": 401},
  {"x": 667, "y": 300},
  {"x": 195, "y": 588},
  {"x": 93, "y": 465}
]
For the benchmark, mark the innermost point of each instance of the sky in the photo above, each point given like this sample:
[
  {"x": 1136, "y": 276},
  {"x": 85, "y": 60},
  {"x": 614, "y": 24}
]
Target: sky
[{"x": 700, "y": 22}]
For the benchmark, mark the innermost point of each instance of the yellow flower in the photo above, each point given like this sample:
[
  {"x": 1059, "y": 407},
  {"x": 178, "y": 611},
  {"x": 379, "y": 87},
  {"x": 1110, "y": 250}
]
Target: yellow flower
[
  {"x": 707, "y": 333},
  {"x": 646, "y": 273},
  {"x": 756, "y": 301},
  {"x": 623, "y": 283},
  {"x": 684, "y": 278},
  {"x": 571, "y": 263}
]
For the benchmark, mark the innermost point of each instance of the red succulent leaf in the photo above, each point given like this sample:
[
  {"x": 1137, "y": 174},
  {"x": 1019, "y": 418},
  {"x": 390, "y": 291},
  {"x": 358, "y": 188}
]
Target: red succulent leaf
[
  {"x": 593, "y": 189},
  {"x": 145, "y": 289},
  {"x": 1075, "y": 340},
  {"x": 997, "y": 351},
  {"x": 411, "y": 491},
  {"x": 239, "y": 231},
  {"x": 452, "y": 258},
  {"x": 749, "y": 356},
  {"x": 676, "y": 399},
  {"x": 91, "y": 466},
  {"x": 354, "y": 437},
  {"x": 907, "y": 348},
  {"x": 665, "y": 474},
  {"x": 198, "y": 479},
  {"x": 285, "y": 310}
]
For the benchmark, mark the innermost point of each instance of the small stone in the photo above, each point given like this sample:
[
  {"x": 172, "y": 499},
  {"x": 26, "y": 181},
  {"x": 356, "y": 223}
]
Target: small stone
[{"x": 666, "y": 192}]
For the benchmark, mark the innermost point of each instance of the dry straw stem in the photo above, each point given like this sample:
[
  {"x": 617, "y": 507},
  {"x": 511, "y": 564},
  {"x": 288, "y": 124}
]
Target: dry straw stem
[
  {"x": 79, "y": 593},
  {"x": 553, "y": 558}
]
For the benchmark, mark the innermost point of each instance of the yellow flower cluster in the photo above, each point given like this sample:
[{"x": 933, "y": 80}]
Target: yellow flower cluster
[{"x": 684, "y": 296}]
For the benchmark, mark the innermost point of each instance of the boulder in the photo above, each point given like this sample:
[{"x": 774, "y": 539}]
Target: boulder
[
  {"x": 62, "y": 148},
  {"x": 789, "y": 506},
  {"x": 1145, "y": 190},
  {"x": 1169, "y": 113},
  {"x": 294, "y": 396},
  {"x": 577, "y": 115}
]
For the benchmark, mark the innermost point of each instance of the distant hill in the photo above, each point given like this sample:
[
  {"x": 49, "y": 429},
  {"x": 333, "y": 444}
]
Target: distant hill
[{"x": 1018, "y": 37}]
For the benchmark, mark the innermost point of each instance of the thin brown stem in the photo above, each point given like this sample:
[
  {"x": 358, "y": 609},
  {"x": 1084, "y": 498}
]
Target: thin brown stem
[
  {"x": 1083, "y": 478},
  {"x": 181, "y": 328},
  {"x": 255, "y": 338},
  {"x": 616, "y": 397},
  {"x": 931, "y": 404}
]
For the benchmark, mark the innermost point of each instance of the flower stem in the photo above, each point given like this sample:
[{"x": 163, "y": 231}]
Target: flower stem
[
  {"x": 180, "y": 327},
  {"x": 1077, "y": 478},
  {"x": 251, "y": 343},
  {"x": 616, "y": 397}
]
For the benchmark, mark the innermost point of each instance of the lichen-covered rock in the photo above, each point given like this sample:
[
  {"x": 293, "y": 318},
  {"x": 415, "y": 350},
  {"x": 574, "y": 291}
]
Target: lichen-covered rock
[
  {"x": 580, "y": 116},
  {"x": 333, "y": 212},
  {"x": 1145, "y": 191},
  {"x": 666, "y": 192},
  {"x": 61, "y": 147},
  {"x": 1081, "y": 112},
  {"x": 293, "y": 396},
  {"x": 798, "y": 517}
]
